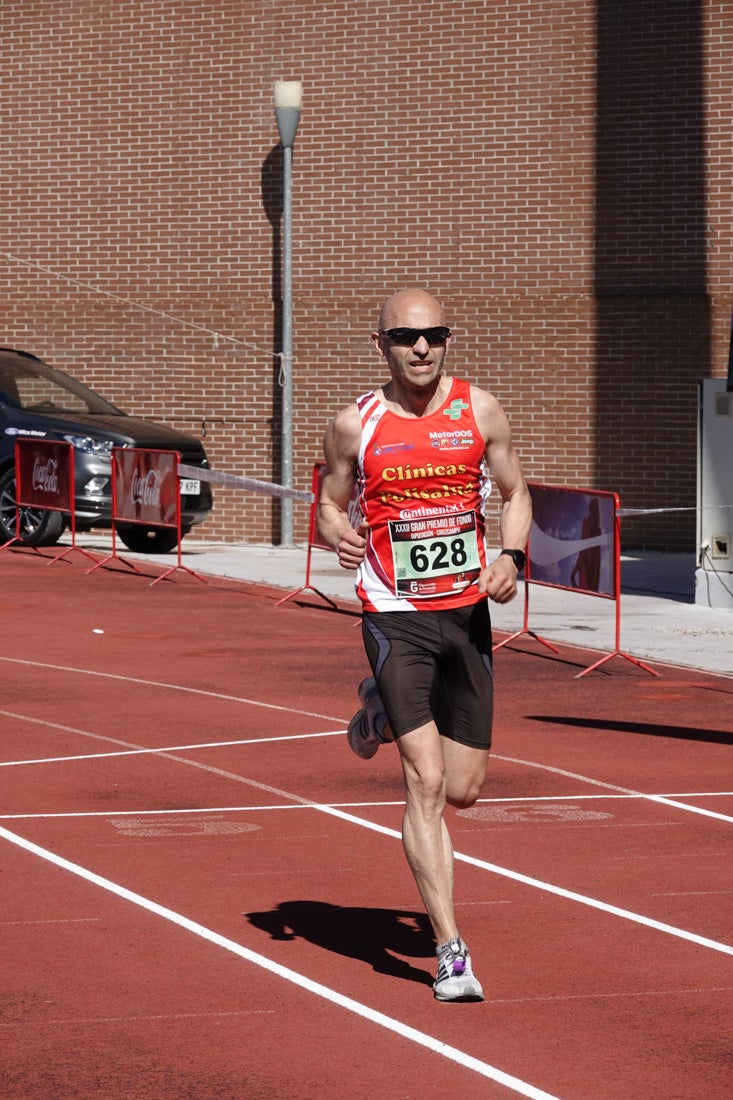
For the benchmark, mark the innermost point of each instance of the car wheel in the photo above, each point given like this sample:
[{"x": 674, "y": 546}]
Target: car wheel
[
  {"x": 38, "y": 527},
  {"x": 149, "y": 540}
]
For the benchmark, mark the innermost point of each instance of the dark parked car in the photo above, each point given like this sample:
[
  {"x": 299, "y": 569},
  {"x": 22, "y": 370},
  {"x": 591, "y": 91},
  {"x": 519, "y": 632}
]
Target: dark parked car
[{"x": 38, "y": 401}]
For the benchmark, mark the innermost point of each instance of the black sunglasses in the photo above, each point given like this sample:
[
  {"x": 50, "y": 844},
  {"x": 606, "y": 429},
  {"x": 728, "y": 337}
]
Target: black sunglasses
[{"x": 408, "y": 337}]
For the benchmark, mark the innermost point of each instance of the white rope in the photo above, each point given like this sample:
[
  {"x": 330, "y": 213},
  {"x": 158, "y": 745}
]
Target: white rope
[
  {"x": 653, "y": 511},
  {"x": 216, "y": 336},
  {"x": 235, "y": 481}
]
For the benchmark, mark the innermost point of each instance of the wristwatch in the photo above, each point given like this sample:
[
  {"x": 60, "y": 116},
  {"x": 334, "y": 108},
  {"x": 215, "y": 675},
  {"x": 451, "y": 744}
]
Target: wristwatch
[{"x": 518, "y": 557}]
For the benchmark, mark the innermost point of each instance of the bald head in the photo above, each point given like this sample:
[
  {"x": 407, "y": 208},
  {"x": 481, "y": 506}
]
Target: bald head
[{"x": 413, "y": 308}]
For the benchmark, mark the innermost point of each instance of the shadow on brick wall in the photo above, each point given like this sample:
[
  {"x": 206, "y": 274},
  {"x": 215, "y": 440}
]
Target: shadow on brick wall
[
  {"x": 653, "y": 340},
  {"x": 271, "y": 178}
]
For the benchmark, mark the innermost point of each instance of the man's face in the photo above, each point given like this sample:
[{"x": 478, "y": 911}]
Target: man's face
[{"x": 416, "y": 365}]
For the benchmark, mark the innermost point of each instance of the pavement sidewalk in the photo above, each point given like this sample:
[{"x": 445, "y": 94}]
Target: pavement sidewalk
[{"x": 659, "y": 620}]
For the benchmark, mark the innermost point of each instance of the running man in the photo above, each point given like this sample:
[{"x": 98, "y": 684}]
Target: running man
[{"x": 421, "y": 449}]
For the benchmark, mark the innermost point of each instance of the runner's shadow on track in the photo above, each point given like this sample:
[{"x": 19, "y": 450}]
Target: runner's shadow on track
[
  {"x": 682, "y": 733},
  {"x": 371, "y": 935}
]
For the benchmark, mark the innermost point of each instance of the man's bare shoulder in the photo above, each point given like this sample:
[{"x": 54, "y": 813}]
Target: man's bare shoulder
[
  {"x": 489, "y": 414},
  {"x": 343, "y": 434},
  {"x": 347, "y": 421}
]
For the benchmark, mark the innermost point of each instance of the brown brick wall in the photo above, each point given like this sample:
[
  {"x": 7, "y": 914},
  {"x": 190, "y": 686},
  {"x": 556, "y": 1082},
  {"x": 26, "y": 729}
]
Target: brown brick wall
[{"x": 557, "y": 172}]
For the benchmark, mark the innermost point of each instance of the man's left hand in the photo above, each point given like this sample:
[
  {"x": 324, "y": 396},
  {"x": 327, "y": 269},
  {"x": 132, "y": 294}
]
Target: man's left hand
[{"x": 499, "y": 580}]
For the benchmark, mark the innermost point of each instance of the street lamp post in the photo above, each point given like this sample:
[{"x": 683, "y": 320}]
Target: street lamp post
[{"x": 288, "y": 99}]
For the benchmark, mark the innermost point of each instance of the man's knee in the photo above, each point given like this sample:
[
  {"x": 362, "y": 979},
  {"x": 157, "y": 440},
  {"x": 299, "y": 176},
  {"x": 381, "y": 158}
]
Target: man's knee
[
  {"x": 464, "y": 795},
  {"x": 426, "y": 784},
  {"x": 463, "y": 785}
]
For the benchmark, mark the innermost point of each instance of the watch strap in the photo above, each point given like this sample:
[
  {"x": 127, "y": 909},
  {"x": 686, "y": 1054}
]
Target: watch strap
[{"x": 518, "y": 557}]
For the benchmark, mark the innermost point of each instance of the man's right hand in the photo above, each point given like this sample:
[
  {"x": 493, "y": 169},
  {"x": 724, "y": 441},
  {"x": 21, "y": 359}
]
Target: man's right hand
[{"x": 352, "y": 547}]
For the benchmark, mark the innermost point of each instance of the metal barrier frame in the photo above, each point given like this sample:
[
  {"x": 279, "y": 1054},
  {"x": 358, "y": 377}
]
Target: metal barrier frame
[
  {"x": 616, "y": 596},
  {"x": 25, "y": 498}
]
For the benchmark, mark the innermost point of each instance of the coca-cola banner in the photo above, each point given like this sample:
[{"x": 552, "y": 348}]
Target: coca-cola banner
[
  {"x": 146, "y": 486},
  {"x": 44, "y": 474}
]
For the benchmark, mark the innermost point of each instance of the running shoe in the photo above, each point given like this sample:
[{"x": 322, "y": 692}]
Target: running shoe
[
  {"x": 455, "y": 980},
  {"x": 367, "y": 728}
]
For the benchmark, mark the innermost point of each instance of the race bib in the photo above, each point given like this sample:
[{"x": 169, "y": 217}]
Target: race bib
[{"x": 434, "y": 555}]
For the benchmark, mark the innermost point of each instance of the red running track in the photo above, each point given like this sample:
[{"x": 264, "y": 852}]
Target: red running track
[{"x": 205, "y": 894}]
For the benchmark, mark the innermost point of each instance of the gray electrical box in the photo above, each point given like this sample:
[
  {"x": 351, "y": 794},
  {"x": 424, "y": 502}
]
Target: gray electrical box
[{"x": 714, "y": 574}]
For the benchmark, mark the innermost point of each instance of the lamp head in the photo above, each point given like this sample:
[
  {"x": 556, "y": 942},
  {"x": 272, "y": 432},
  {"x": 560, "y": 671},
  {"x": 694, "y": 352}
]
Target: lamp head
[{"x": 288, "y": 101}]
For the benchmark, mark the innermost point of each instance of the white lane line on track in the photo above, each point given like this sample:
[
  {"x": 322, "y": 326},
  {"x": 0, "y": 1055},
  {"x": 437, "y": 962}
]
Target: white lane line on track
[
  {"x": 625, "y": 995},
  {"x": 51, "y": 920},
  {"x": 375, "y": 805},
  {"x": 85, "y": 1021},
  {"x": 170, "y": 687},
  {"x": 131, "y": 749},
  {"x": 522, "y": 1088},
  {"x": 151, "y": 752},
  {"x": 484, "y": 865},
  {"x": 251, "y": 809},
  {"x": 492, "y": 868},
  {"x": 622, "y": 790},
  {"x": 558, "y": 891}
]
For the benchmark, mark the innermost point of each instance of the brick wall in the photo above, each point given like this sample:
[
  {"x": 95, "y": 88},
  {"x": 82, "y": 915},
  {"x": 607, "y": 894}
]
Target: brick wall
[{"x": 557, "y": 172}]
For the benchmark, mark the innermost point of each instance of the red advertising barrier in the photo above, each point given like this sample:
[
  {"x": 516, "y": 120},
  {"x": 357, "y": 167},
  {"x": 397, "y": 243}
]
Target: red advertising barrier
[
  {"x": 575, "y": 544},
  {"x": 44, "y": 481},
  {"x": 315, "y": 540},
  {"x": 145, "y": 487},
  {"x": 146, "y": 491}
]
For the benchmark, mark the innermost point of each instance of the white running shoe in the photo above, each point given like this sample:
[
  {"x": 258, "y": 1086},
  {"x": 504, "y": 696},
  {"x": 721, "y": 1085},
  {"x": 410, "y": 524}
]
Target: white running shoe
[
  {"x": 455, "y": 980},
  {"x": 367, "y": 728}
]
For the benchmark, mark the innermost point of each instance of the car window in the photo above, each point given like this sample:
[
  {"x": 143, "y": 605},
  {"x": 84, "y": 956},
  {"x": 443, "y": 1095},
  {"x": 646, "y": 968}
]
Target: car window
[
  {"x": 37, "y": 387},
  {"x": 8, "y": 388},
  {"x": 37, "y": 394}
]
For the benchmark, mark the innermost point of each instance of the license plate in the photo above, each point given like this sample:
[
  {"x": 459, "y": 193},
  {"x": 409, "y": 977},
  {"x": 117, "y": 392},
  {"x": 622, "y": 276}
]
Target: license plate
[{"x": 190, "y": 487}]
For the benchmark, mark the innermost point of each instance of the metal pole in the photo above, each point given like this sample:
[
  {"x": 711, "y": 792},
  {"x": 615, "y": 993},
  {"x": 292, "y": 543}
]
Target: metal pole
[
  {"x": 288, "y": 97},
  {"x": 286, "y": 373}
]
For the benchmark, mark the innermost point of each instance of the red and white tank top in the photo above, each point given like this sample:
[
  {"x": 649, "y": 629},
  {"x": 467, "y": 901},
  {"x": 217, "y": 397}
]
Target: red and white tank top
[{"x": 423, "y": 484}]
